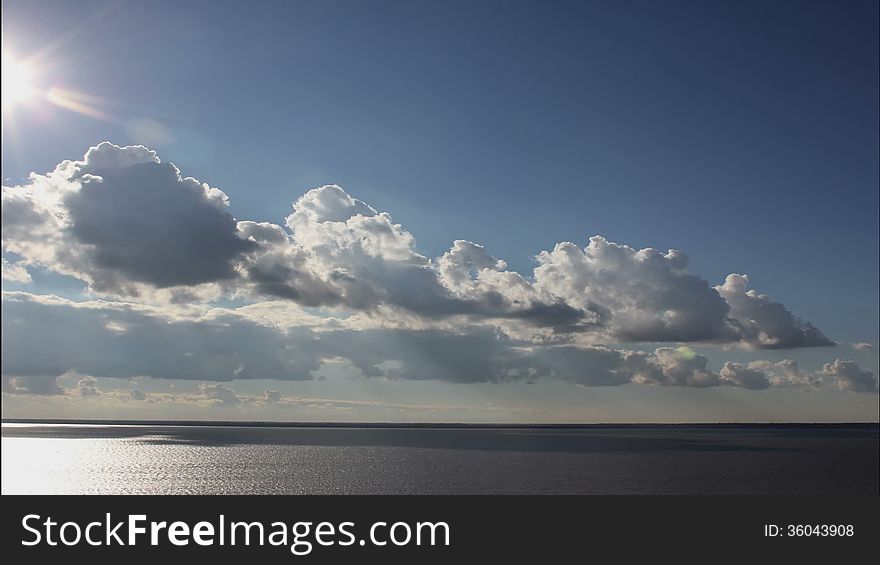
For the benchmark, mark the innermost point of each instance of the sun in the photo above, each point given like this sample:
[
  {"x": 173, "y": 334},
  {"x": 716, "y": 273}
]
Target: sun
[{"x": 15, "y": 82}]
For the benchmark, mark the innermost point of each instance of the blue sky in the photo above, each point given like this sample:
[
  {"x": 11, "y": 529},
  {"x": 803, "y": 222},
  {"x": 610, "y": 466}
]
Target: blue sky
[{"x": 741, "y": 133}]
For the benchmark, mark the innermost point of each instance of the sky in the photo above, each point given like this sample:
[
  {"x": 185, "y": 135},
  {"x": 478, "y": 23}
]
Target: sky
[{"x": 441, "y": 211}]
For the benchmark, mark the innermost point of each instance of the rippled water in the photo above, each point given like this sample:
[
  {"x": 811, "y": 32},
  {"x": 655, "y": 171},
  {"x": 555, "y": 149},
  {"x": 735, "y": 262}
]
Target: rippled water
[{"x": 305, "y": 460}]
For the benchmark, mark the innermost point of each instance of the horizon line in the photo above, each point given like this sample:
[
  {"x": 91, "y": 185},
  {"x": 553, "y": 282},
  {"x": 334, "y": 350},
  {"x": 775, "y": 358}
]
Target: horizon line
[{"x": 437, "y": 425}]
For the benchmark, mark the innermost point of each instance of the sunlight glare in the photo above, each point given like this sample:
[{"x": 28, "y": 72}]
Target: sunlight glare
[{"x": 15, "y": 82}]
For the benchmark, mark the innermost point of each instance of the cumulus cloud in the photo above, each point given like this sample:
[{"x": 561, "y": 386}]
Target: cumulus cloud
[
  {"x": 786, "y": 373},
  {"x": 677, "y": 367},
  {"x": 737, "y": 374},
  {"x": 338, "y": 251},
  {"x": 645, "y": 295},
  {"x": 764, "y": 323},
  {"x": 603, "y": 366},
  {"x": 863, "y": 346},
  {"x": 130, "y": 225},
  {"x": 120, "y": 217},
  {"x": 849, "y": 376}
]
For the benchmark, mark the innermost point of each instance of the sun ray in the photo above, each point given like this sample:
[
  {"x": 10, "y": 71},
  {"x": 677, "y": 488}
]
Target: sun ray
[{"x": 78, "y": 102}]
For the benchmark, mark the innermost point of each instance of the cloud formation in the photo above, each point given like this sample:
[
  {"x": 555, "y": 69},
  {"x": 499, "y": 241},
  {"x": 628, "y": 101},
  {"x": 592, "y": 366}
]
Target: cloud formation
[
  {"x": 219, "y": 393},
  {"x": 130, "y": 225},
  {"x": 121, "y": 218},
  {"x": 31, "y": 384},
  {"x": 851, "y": 377},
  {"x": 764, "y": 323},
  {"x": 46, "y": 337},
  {"x": 745, "y": 376},
  {"x": 87, "y": 386},
  {"x": 15, "y": 272}
]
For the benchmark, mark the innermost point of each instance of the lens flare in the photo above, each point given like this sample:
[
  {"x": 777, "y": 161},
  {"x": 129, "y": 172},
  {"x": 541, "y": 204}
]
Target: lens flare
[{"x": 77, "y": 102}]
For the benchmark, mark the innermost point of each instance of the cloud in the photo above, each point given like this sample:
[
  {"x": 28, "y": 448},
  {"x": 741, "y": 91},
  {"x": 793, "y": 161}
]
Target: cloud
[
  {"x": 120, "y": 218},
  {"x": 15, "y": 272},
  {"x": 603, "y": 366},
  {"x": 340, "y": 252},
  {"x": 863, "y": 346},
  {"x": 786, "y": 373},
  {"x": 764, "y": 323},
  {"x": 737, "y": 374},
  {"x": 46, "y": 337},
  {"x": 132, "y": 227},
  {"x": 87, "y": 386},
  {"x": 33, "y": 384},
  {"x": 137, "y": 395},
  {"x": 54, "y": 336},
  {"x": 272, "y": 396},
  {"x": 646, "y": 295},
  {"x": 677, "y": 367},
  {"x": 849, "y": 376},
  {"x": 119, "y": 404},
  {"x": 219, "y": 393}
]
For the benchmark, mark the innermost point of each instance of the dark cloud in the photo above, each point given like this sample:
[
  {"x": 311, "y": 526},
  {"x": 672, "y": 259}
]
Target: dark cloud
[
  {"x": 45, "y": 337},
  {"x": 32, "y": 384},
  {"x": 849, "y": 376},
  {"x": 121, "y": 217},
  {"x": 146, "y": 224},
  {"x": 48, "y": 336}
]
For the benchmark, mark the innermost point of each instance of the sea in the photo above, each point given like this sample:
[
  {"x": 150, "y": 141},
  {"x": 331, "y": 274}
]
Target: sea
[{"x": 226, "y": 458}]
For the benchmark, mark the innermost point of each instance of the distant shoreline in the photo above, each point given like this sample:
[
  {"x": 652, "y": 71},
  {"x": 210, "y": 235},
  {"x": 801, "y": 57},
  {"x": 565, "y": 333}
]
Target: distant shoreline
[{"x": 437, "y": 425}]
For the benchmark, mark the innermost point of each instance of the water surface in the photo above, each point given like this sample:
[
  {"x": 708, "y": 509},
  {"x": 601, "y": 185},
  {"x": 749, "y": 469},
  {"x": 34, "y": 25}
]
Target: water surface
[{"x": 151, "y": 459}]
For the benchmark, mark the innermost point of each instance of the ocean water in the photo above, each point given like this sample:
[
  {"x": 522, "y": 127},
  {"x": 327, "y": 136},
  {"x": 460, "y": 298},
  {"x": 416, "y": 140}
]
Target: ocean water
[{"x": 150, "y": 459}]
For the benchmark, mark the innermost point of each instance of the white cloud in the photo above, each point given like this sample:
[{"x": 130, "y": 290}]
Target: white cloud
[
  {"x": 677, "y": 367},
  {"x": 131, "y": 226},
  {"x": 863, "y": 346},
  {"x": 787, "y": 373},
  {"x": 764, "y": 323},
  {"x": 643, "y": 295},
  {"x": 15, "y": 272},
  {"x": 737, "y": 374}
]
